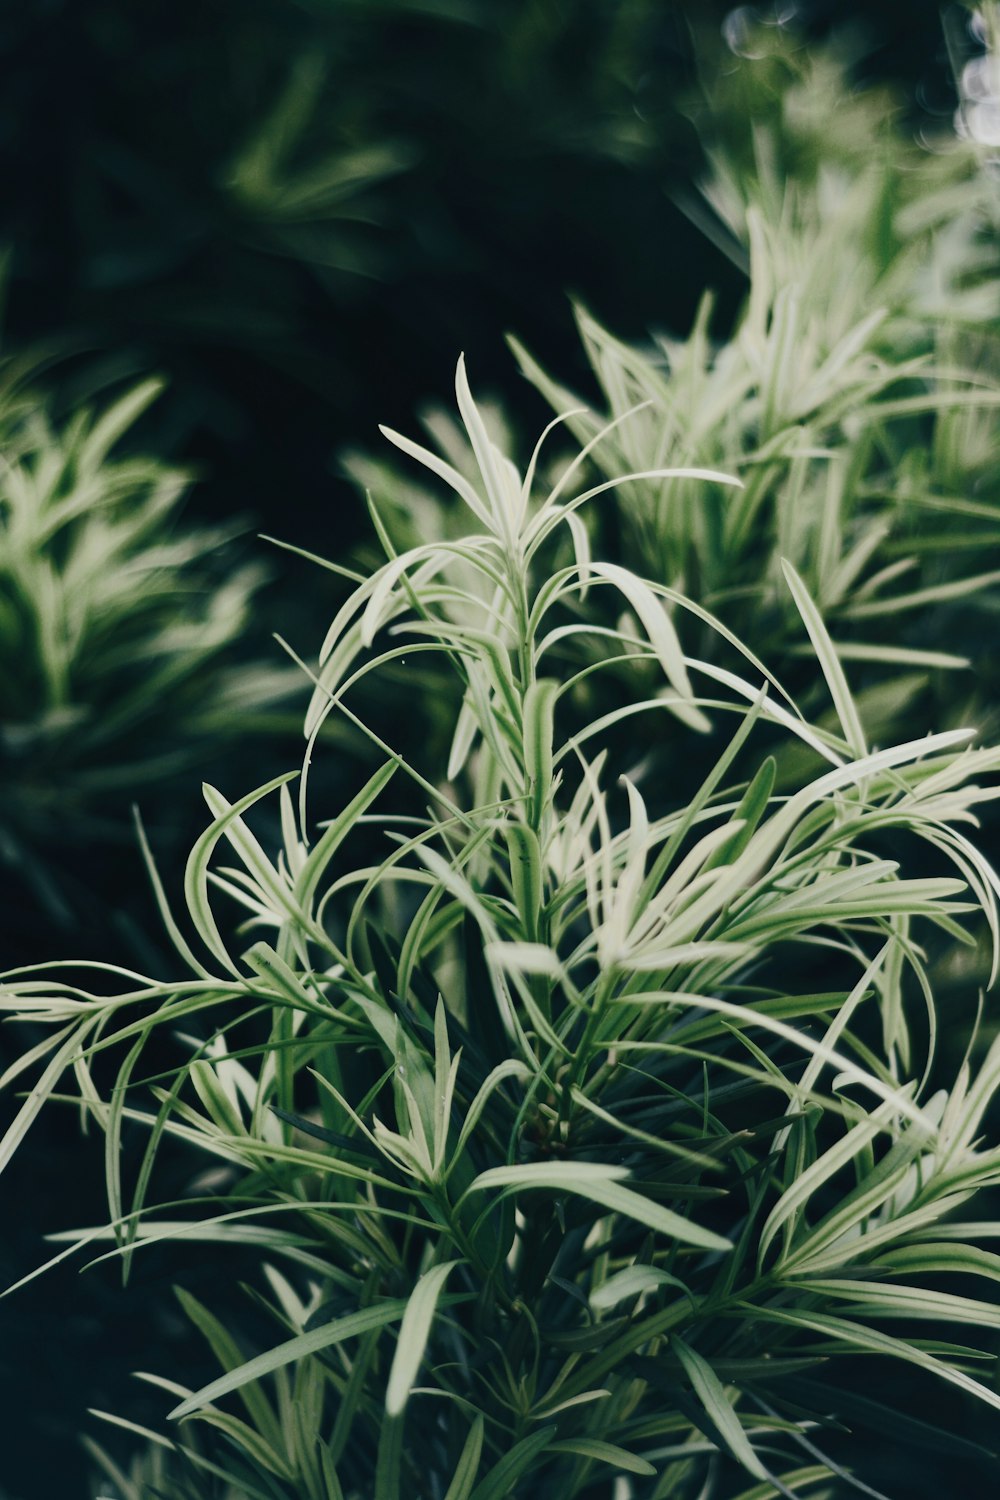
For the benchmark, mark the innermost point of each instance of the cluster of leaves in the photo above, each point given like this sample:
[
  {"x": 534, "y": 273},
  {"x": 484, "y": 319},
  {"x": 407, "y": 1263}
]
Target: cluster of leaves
[
  {"x": 556, "y": 1171},
  {"x": 118, "y": 634},
  {"x": 857, "y": 393},
  {"x": 579, "y": 1093}
]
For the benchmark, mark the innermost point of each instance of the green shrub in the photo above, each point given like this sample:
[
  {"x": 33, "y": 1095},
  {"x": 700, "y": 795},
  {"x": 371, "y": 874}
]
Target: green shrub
[
  {"x": 119, "y": 667},
  {"x": 594, "y": 1100},
  {"x": 585, "y": 1136},
  {"x": 857, "y": 391}
]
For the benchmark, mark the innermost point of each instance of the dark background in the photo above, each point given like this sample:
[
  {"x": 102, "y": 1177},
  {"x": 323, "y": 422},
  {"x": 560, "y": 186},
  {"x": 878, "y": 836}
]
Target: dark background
[
  {"x": 536, "y": 146},
  {"x": 457, "y": 170}
]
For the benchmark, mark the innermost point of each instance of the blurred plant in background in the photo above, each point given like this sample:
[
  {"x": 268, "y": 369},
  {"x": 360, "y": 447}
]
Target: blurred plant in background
[
  {"x": 121, "y": 640},
  {"x": 259, "y": 203}
]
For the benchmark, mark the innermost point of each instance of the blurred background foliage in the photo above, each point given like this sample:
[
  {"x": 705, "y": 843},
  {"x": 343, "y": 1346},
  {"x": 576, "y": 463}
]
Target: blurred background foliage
[
  {"x": 294, "y": 213},
  {"x": 297, "y": 212},
  {"x": 120, "y": 645}
]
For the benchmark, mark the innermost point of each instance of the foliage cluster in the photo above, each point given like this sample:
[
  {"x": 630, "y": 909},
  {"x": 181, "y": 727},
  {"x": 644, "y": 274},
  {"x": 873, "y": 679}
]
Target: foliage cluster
[
  {"x": 532, "y": 1098},
  {"x": 120, "y": 636},
  {"x": 574, "y": 1090}
]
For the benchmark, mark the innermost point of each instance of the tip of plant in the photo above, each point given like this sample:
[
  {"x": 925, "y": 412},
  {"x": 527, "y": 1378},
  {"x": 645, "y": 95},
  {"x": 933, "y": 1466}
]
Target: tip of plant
[{"x": 518, "y": 350}]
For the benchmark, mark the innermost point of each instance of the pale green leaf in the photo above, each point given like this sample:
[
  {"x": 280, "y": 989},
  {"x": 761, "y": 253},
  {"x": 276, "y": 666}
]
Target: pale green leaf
[{"x": 413, "y": 1335}]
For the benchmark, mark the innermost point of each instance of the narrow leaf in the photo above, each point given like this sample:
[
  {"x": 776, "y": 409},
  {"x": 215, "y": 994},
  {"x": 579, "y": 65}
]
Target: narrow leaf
[
  {"x": 413, "y": 1335},
  {"x": 711, "y": 1393}
]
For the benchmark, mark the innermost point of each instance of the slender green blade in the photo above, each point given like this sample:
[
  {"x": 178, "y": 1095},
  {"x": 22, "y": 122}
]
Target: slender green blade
[
  {"x": 413, "y": 1335},
  {"x": 711, "y": 1393}
]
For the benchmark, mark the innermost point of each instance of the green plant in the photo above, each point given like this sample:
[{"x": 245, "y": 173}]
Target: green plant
[
  {"x": 118, "y": 636},
  {"x": 856, "y": 393},
  {"x": 587, "y": 1138}
]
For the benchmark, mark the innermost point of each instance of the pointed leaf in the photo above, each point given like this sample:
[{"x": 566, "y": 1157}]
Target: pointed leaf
[
  {"x": 413, "y": 1335},
  {"x": 711, "y": 1393}
]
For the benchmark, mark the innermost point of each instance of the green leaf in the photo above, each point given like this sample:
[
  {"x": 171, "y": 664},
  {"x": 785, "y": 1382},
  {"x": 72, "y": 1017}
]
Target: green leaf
[
  {"x": 504, "y": 499},
  {"x": 467, "y": 1468},
  {"x": 389, "y": 1460},
  {"x": 196, "y": 872},
  {"x": 959, "y": 588},
  {"x": 600, "y": 1185},
  {"x": 292, "y": 1350},
  {"x": 444, "y": 471},
  {"x": 413, "y": 1335},
  {"x": 890, "y": 1300},
  {"x": 22, "y": 1121},
  {"x": 333, "y": 836},
  {"x": 880, "y": 1418},
  {"x": 942, "y": 1255},
  {"x": 228, "y": 1353},
  {"x": 826, "y": 654},
  {"x": 263, "y": 959},
  {"x": 662, "y": 636},
  {"x": 605, "y": 1453},
  {"x": 500, "y": 1480},
  {"x": 711, "y": 1393},
  {"x": 511, "y": 1068},
  {"x": 221, "y": 1109},
  {"x": 116, "y": 421},
  {"x": 525, "y": 873},
  {"x": 867, "y": 1341},
  {"x": 793, "y": 1201},
  {"x": 780, "y": 1489},
  {"x": 539, "y": 711},
  {"x": 748, "y": 813},
  {"x": 630, "y": 1283},
  {"x": 331, "y": 1480}
]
